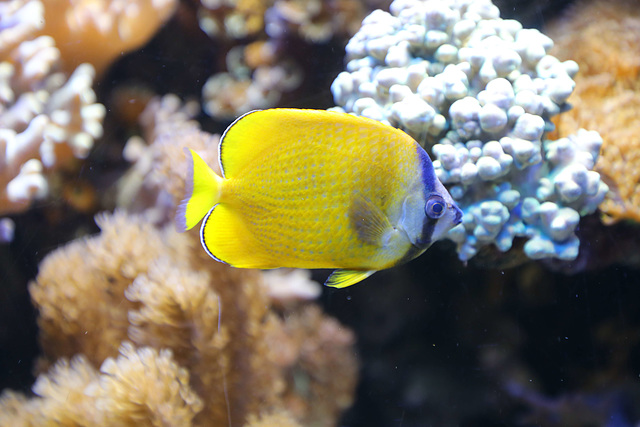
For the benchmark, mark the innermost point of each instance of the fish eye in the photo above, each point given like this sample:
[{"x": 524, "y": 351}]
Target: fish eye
[{"x": 435, "y": 206}]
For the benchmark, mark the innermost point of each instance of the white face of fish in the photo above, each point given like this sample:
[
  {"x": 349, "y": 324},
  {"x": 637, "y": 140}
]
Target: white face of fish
[
  {"x": 427, "y": 217},
  {"x": 451, "y": 217}
]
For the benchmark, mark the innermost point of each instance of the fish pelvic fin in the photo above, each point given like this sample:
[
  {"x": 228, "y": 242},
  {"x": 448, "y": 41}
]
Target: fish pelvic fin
[
  {"x": 344, "y": 278},
  {"x": 203, "y": 188}
]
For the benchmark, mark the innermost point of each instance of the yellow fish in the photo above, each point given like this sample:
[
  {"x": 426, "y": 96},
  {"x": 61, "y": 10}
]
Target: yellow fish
[{"x": 316, "y": 189}]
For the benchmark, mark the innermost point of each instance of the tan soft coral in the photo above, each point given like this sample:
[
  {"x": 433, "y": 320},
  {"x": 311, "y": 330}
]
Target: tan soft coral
[
  {"x": 99, "y": 31},
  {"x": 141, "y": 387},
  {"x": 97, "y": 268},
  {"x": 155, "y": 183},
  {"x": 312, "y": 348},
  {"x": 603, "y": 37},
  {"x": 158, "y": 289},
  {"x": 181, "y": 310},
  {"x": 274, "y": 419}
]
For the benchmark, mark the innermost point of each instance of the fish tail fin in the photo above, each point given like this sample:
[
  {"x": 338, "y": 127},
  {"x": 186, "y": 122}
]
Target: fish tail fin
[{"x": 203, "y": 188}]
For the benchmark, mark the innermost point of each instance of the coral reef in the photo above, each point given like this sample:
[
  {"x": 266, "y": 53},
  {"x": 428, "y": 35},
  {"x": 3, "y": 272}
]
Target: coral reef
[
  {"x": 478, "y": 92},
  {"x": 235, "y": 19},
  {"x": 99, "y": 31},
  {"x": 280, "y": 419},
  {"x": 231, "y": 330},
  {"x": 138, "y": 315},
  {"x": 257, "y": 78},
  {"x": 208, "y": 323},
  {"x": 259, "y": 72},
  {"x": 603, "y": 37},
  {"x": 315, "y": 21},
  {"x": 142, "y": 386},
  {"x": 155, "y": 182},
  {"x": 47, "y": 118}
]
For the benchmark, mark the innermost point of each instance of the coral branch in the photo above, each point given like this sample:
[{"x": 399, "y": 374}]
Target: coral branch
[{"x": 46, "y": 117}]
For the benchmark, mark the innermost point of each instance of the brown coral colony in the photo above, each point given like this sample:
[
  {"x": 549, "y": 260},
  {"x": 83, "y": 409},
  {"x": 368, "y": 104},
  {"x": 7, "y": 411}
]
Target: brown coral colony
[{"x": 137, "y": 326}]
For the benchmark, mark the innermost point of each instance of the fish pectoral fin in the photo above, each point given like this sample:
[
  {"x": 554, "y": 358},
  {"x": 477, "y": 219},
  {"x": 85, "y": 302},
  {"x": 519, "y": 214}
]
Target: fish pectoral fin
[
  {"x": 344, "y": 278},
  {"x": 370, "y": 223}
]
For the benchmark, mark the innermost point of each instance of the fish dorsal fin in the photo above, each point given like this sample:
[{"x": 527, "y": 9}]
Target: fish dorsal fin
[
  {"x": 258, "y": 132},
  {"x": 370, "y": 223},
  {"x": 344, "y": 278}
]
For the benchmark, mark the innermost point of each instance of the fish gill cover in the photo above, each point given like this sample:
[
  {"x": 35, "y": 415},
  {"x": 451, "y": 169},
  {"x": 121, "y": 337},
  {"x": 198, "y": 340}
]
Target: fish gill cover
[{"x": 478, "y": 92}]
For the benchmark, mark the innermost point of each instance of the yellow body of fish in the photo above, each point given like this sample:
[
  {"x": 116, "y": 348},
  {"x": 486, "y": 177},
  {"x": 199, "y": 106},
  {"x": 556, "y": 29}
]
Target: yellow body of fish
[{"x": 316, "y": 189}]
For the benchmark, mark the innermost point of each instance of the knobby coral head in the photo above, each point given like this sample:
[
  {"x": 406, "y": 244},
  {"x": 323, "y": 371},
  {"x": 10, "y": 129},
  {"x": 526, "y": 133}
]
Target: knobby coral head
[{"x": 478, "y": 92}]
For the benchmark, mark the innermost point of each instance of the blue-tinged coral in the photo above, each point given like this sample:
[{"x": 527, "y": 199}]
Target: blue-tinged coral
[{"x": 478, "y": 91}]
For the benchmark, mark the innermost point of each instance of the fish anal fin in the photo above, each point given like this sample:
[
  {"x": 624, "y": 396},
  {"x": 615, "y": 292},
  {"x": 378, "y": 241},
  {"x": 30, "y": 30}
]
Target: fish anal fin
[
  {"x": 344, "y": 278},
  {"x": 226, "y": 238},
  {"x": 368, "y": 220}
]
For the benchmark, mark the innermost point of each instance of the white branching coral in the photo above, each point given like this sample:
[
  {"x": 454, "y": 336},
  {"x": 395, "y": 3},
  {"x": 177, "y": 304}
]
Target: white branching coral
[{"x": 46, "y": 116}]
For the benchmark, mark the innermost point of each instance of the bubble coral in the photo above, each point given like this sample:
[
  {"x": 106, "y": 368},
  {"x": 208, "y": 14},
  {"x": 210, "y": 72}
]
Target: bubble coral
[
  {"x": 478, "y": 92},
  {"x": 603, "y": 37}
]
